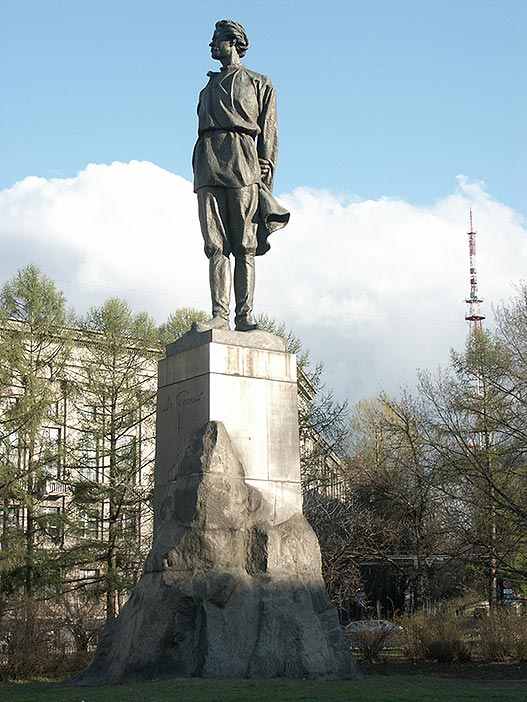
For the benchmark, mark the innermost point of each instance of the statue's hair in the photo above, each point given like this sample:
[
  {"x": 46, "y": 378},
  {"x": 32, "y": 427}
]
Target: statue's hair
[{"x": 233, "y": 30}]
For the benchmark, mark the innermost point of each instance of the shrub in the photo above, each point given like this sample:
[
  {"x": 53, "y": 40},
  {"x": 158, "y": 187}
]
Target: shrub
[
  {"x": 25, "y": 645},
  {"x": 370, "y": 637},
  {"x": 440, "y": 637},
  {"x": 411, "y": 643},
  {"x": 35, "y": 641},
  {"x": 443, "y": 639},
  {"x": 503, "y": 636}
]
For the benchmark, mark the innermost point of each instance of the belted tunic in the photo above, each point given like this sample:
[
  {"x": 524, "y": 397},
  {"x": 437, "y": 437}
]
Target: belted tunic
[{"x": 237, "y": 126}]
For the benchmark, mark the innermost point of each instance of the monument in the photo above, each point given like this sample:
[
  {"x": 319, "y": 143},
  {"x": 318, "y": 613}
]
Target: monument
[
  {"x": 234, "y": 162},
  {"x": 232, "y": 586}
]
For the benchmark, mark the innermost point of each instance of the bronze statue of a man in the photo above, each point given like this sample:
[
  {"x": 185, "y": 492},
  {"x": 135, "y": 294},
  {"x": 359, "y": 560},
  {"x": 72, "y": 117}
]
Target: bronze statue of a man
[{"x": 234, "y": 162}]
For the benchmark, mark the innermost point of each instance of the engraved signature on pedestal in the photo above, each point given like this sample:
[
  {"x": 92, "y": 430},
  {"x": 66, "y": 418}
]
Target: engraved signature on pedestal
[{"x": 185, "y": 399}]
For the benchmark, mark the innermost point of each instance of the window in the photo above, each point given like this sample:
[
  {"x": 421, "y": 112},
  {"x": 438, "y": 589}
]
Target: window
[
  {"x": 88, "y": 524},
  {"x": 130, "y": 523},
  {"x": 126, "y": 457},
  {"x": 51, "y": 522},
  {"x": 91, "y": 574},
  {"x": 126, "y": 452},
  {"x": 15, "y": 517},
  {"x": 51, "y": 450},
  {"x": 88, "y": 459}
]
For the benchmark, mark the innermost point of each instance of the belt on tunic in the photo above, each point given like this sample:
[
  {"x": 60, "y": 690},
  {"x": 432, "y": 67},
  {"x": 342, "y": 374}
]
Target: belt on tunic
[{"x": 236, "y": 130}]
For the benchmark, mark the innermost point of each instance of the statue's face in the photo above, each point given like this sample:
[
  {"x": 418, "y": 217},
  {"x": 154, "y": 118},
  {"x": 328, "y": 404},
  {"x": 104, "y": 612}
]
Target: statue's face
[{"x": 220, "y": 47}]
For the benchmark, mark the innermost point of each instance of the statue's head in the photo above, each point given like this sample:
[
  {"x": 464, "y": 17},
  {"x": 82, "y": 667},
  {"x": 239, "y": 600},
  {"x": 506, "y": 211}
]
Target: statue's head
[{"x": 228, "y": 36}]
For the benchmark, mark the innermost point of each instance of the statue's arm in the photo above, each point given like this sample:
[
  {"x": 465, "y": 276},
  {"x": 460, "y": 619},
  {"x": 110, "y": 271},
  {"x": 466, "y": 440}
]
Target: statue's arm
[{"x": 267, "y": 142}]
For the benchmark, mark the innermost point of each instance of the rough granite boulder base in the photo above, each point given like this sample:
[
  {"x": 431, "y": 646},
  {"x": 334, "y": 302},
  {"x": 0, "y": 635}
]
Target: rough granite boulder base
[{"x": 223, "y": 594}]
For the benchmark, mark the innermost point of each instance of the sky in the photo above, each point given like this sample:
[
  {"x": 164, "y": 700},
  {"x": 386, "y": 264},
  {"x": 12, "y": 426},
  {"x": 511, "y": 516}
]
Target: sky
[{"x": 395, "y": 118}]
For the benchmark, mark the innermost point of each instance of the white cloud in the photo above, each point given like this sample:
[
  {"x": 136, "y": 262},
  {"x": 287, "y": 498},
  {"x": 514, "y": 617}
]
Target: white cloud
[{"x": 374, "y": 287}]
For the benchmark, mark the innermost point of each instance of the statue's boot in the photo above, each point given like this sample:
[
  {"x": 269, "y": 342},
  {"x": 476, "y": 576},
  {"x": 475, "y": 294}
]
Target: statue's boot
[
  {"x": 212, "y": 323},
  {"x": 220, "y": 291},
  {"x": 244, "y": 276}
]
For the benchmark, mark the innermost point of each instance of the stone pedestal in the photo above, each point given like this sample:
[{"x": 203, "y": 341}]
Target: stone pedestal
[
  {"x": 232, "y": 586},
  {"x": 248, "y": 382}
]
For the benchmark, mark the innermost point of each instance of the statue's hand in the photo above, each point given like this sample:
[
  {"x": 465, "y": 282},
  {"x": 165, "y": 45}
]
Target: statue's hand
[{"x": 266, "y": 169}]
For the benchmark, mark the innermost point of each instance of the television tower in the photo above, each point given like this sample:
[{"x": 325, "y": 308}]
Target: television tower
[
  {"x": 474, "y": 316},
  {"x": 483, "y": 438}
]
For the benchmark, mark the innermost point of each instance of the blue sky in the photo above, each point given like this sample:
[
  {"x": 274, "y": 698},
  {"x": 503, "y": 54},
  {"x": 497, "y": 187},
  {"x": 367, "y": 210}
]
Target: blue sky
[
  {"x": 376, "y": 98},
  {"x": 382, "y": 104}
]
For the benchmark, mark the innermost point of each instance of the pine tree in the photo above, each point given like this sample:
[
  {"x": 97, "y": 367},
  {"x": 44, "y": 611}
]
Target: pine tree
[
  {"x": 111, "y": 463},
  {"x": 179, "y": 322},
  {"x": 35, "y": 347}
]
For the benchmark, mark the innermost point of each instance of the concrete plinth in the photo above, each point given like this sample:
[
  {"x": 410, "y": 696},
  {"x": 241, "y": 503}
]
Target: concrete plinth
[{"x": 247, "y": 381}]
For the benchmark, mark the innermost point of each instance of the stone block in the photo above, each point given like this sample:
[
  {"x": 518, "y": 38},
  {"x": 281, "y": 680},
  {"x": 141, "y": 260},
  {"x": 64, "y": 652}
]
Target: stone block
[
  {"x": 257, "y": 339},
  {"x": 250, "y": 387}
]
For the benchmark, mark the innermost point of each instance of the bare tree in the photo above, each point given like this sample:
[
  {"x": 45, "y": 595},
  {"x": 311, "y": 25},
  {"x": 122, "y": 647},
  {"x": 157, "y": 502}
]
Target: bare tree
[
  {"x": 475, "y": 430},
  {"x": 394, "y": 477}
]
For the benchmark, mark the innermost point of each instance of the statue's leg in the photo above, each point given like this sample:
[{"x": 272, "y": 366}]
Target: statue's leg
[
  {"x": 242, "y": 208},
  {"x": 212, "y": 215},
  {"x": 244, "y": 277}
]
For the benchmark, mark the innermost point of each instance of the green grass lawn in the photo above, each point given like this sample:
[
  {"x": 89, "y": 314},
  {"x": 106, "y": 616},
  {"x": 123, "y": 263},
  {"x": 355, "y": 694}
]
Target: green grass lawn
[{"x": 373, "y": 688}]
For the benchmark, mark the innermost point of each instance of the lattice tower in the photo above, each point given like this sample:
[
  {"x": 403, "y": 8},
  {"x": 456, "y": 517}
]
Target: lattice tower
[{"x": 474, "y": 316}]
